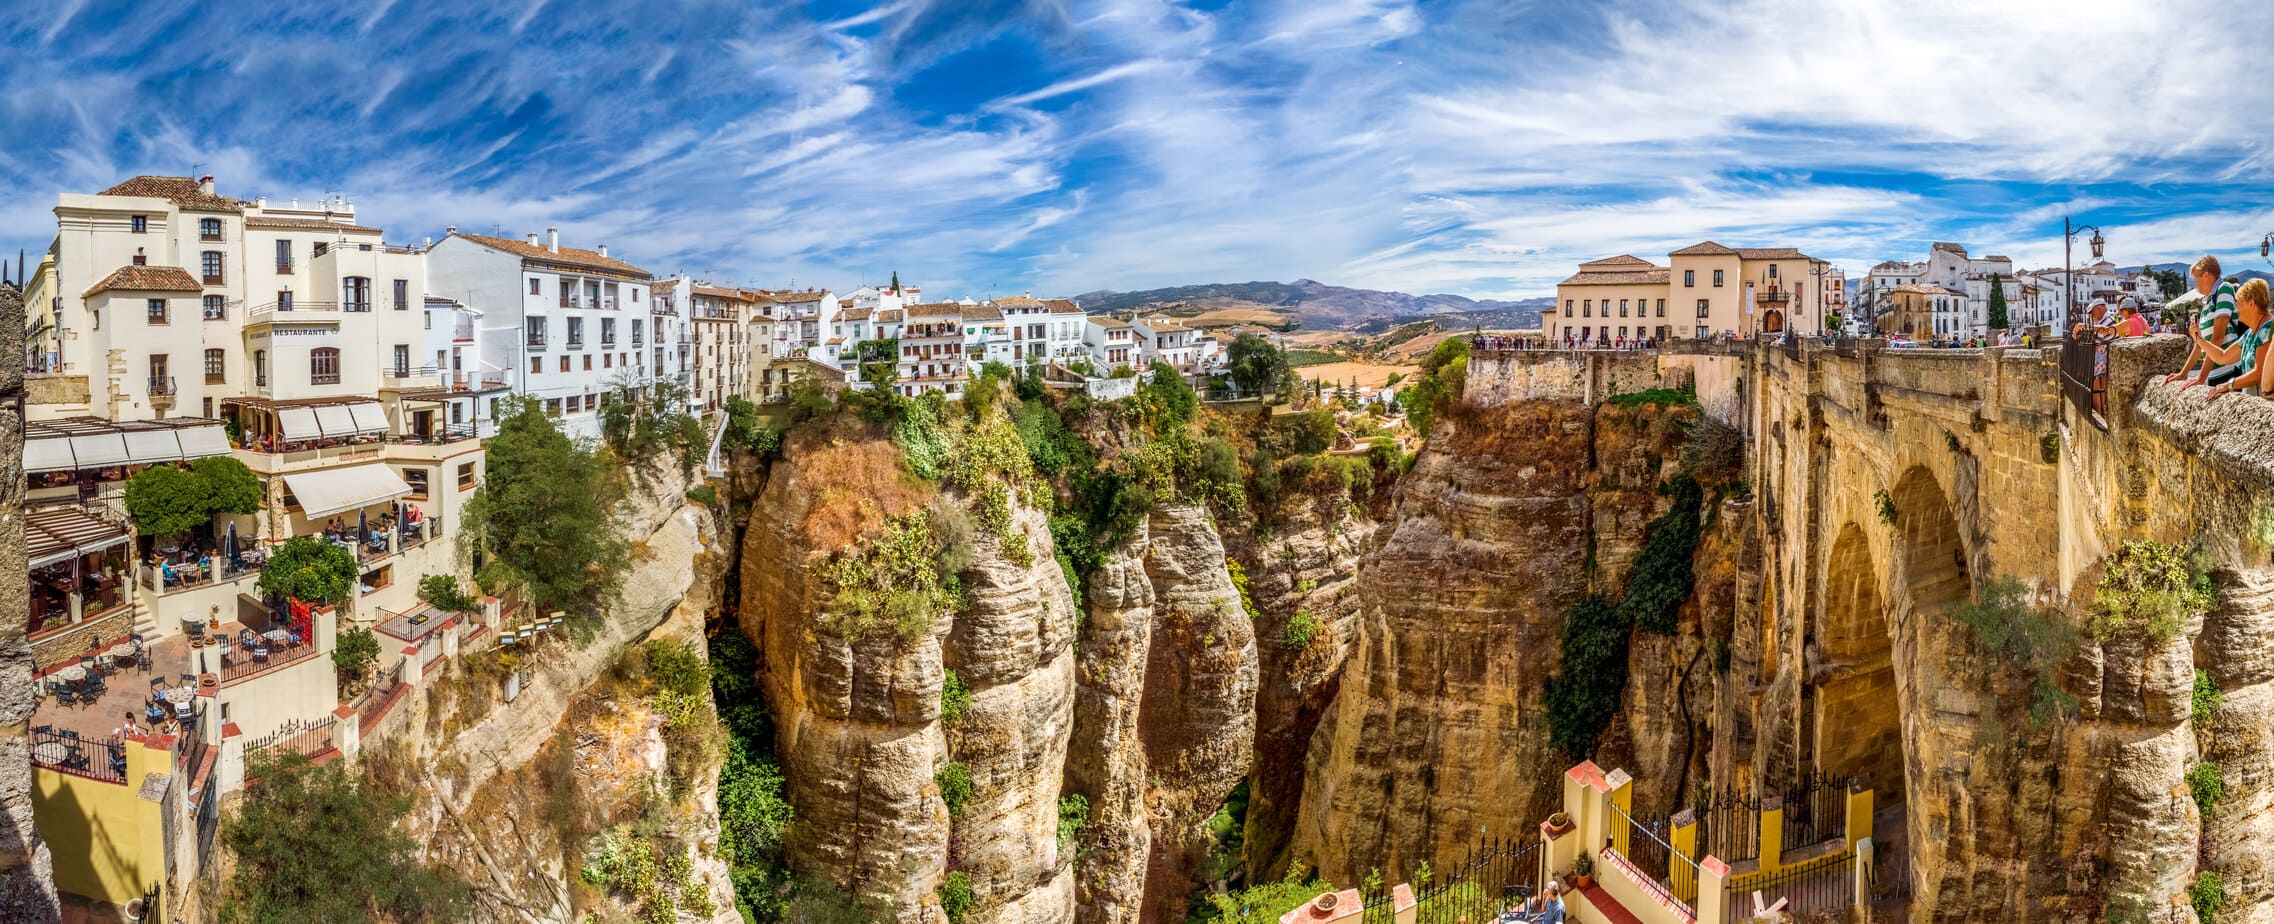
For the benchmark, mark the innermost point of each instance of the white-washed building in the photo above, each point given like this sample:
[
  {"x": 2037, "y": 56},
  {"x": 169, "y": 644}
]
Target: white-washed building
[{"x": 558, "y": 322}]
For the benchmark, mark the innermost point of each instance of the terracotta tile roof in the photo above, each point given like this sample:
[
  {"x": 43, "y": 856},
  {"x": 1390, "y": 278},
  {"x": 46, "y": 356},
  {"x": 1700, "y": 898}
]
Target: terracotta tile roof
[
  {"x": 1019, "y": 301},
  {"x": 1771, "y": 253},
  {"x": 809, "y": 295},
  {"x": 716, "y": 292},
  {"x": 982, "y": 313},
  {"x": 146, "y": 279},
  {"x": 303, "y": 224},
  {"x": 1108, "y": 322},
  {"x": 856, "y": 314},
  {"x": 1621, "y": 261},
  {"x": 1705, "y": 249},
  {"x": 1063, "y": 306},
  {"x": 890, "y": 315},
  {"x": 1648, "y": 277},
  {"x": 179, "y": 190},
  {"x": 936, "y": 310},
  {"x": 570, "y": 256}
]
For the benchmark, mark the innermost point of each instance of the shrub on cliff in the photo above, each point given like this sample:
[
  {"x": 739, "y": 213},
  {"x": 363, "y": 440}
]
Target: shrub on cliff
[
  {"x": 1662, "y": 576},
  {"x": 1266, "y": 901},
  {"x": 754, "y": 813},
  {"x": 309, "y": 569},
  {"x": 443, "y": 591},
  {"x": 313, "y": 843},
  {"x": 1583, "y": 694},
  {"x": 954, "y": 781},
  {"x": 2149, "y": 589},
  {"x": 1444, "y": 376},
  {"x": 2027, "y": 638}
]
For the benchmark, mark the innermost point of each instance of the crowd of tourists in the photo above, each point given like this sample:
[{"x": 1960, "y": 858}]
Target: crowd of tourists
[{"x": 1505, "y": 342}]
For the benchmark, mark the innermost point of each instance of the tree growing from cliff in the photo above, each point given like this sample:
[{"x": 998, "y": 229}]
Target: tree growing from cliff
[
  {"x": 1997, "y": 319},
  {"x": 1256, "y": 366},
  {"x": 316, "y": 844},
  {"x": 543, "y": 516},
  {"x": 1444, "y": 373}
]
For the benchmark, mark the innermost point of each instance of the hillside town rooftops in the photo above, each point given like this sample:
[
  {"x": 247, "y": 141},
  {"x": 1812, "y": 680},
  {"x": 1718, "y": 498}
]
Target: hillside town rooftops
[
  {"x": 855, "y": 314},
  {"x": 146, "y": 279},
  {"x": 179, "y": 190},
  {"x": 566, "y": 256},
  {"x": 936, "y": 310}
]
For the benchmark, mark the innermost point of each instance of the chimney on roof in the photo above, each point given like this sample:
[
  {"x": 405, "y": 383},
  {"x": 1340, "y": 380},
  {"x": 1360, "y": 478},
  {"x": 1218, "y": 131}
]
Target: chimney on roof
[
  {"x": 553, "y": 240},
  {"x": 453, "y": 229},
  {"x": 532, "y": 238},
  {"x": 205, "y": 184},
  {"x": 260, "y": 202},
  {"x": 602, "y": 250}
]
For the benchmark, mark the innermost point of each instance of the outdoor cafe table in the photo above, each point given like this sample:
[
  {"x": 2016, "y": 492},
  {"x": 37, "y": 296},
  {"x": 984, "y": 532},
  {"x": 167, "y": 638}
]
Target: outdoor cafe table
[
  {"x": 278, "y": 636},
  {"x": 180, "y": 695},
  {"x": 123, "y": 651},
  {"x": 72, "y": 674},
  {"x": 50, "y": 752}
]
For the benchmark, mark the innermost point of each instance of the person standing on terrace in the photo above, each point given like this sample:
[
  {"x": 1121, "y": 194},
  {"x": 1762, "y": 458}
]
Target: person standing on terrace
[
  {"x": 2249, "y": 350},
  {"x": 2215, "y": 324}
]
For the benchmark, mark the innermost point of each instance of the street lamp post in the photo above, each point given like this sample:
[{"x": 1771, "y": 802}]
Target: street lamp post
[
  {"x": 2265, "y": 250},
  {"x": 2069, "y": 232}
]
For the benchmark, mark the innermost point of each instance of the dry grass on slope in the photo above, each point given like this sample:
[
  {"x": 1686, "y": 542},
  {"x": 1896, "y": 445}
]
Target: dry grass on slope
[{"x": 855, "y": 478}]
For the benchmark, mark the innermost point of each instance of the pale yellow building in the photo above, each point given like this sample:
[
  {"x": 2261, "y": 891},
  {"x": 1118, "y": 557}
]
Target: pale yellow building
[{"x": 1704, "y": 290}]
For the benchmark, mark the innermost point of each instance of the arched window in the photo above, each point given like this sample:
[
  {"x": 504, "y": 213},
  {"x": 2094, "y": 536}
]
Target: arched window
[{"x": 324, "y": 366}]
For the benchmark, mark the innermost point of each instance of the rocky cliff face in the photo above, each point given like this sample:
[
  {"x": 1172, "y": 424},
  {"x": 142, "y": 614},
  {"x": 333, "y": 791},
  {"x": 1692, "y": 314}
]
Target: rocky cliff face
[
  {"x": 860, "y": 730},
  {"x": 1165, "y": 721},
  {"x": 1438, "y": 729}
]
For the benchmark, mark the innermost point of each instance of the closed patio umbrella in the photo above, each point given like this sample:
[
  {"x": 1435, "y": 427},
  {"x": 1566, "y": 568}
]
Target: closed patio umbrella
[{"x": 362, "y": 526}]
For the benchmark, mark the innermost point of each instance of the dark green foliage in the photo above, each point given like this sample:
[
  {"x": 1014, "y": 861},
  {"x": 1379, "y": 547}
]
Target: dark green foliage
[
  {"x": 354, "y": 652},
  {"x": 1265, "y": 902},
  {"x": 1256, "y": 366},
  {"x": 1301, "y": 629},
  {"x": 745, "y": 432},
  {"x": 2208, "y": 893},
  {"x": 956, "y": 896},
  {"x": 640, "y": 423},
  {"x": 705, "y": 495},
  {"x": 312, "y": 844},
  {"x": 2024, "y": 638},
  {"x": 1165, "y": 399},
  {"x": 2169, "y": 283},
  {"x": 1311, "y": 431},
  {"x": 1684, "y": 396},
  {"x": 310, "y": 569},
  {"x": 164, "y": 500},
  {"x": 1885, "y": 505},
  {"x": 955, "y": 697},
  {"x": 1073, "y": 816},
  {"x": 2208, "y": 785},
  {"x": 443, "y": 591},
  {"x": 2049, "y": 448},
  {"x": 230, "y": 487},
  {"x": 1662, "y": 577},
  {"x": 954, "y": 781},
  {"x": 543, "y": 515},
  {"x": 2207, "y": 698},
  {"x": 880, "y": 362},
  {"x": 754, "y": 813},
  {"x": 1584, "y": 693},
  {"x": 2149, "y": 589},
  {"x": 1444, "y": 373},
  {"x": 808, "y": 400},
  {"x": 1997, "y": 312},
  {"x": 1300, "y": 358}
]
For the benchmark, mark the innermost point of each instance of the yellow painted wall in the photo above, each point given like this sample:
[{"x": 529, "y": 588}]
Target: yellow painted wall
[
  {"x": 1722, "y": 302},
  {"x": 108, "y": 841},
  {"x": 1597, "y": 308}
]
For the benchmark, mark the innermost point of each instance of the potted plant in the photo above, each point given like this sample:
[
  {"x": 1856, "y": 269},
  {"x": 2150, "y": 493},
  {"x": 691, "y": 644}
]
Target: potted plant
[
  {"x": 1559, "y": 822},
  {"x": 1583, "y": 870}
]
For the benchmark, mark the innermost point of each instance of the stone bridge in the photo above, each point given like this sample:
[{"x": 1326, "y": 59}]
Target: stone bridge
[{"x": 1889, "y": 485}]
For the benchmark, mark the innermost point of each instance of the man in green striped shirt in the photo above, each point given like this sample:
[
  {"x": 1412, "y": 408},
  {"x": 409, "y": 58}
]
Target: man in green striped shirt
[{"x": 2217, "y": 324}]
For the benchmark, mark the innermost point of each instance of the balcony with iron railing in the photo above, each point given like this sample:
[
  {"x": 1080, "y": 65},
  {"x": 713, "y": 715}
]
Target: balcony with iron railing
[
  {"x": 534, "y": 340},
  {"x": 463, "y": 331},
  {"x": 161, "y": 386}
]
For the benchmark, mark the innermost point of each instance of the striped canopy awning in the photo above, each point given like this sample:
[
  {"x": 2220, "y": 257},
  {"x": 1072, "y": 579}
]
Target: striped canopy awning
[{"x": 53, "y": 535}]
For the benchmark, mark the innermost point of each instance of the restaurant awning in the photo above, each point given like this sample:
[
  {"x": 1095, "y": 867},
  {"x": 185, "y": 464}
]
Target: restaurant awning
[
  {"x": 87, "y": 442},
  {"x": 338, "y": 490},
  {"x": 99, "y": 449},
  {"x": 369, "y": 418},
  {"x": 298, "y": 423},
  {"x": 53, "y": 535}
]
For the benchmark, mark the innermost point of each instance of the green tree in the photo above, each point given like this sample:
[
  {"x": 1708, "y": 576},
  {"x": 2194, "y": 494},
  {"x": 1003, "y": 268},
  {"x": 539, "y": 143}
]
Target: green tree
[
  {"x": 312, "y": 844},
  {"x": 896, "y": 280},
  {"x": 2169, "y": 283},
  {"x": 229, "y": 486},
  {"x": 310, "y": 569},
  {"x": 1997, "y": 317},
  {"x": 1256, "y": 366},
  {"x": 354, "y": 653},
  {"x": 443, "y": 591},
  {"x": 164, "y": 500},
  {"x": 543, "y": 516}
]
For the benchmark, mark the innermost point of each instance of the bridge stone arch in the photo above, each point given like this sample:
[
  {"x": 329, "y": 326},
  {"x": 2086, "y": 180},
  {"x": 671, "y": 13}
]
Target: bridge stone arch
[{"x": 1857, "y": 724}]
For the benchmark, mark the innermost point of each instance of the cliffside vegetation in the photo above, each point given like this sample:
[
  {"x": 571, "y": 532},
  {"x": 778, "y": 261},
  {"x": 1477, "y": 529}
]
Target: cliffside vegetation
[
  {"x": 2149, "y": 590},
  {"x": 542, "y": 518},
  {"x": 753, "y": 813},
  {"x": 2027, "y": 638},
  {"x": 318, "y": 843},
  {"x": 1443, "y": 372}
]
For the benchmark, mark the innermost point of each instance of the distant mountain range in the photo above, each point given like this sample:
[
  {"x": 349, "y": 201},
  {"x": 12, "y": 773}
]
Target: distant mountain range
[{"x": 1314, "y": 304}]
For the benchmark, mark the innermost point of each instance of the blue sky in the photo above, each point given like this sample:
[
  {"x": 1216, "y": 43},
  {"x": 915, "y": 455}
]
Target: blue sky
[{"x": 998, "y": 146}]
